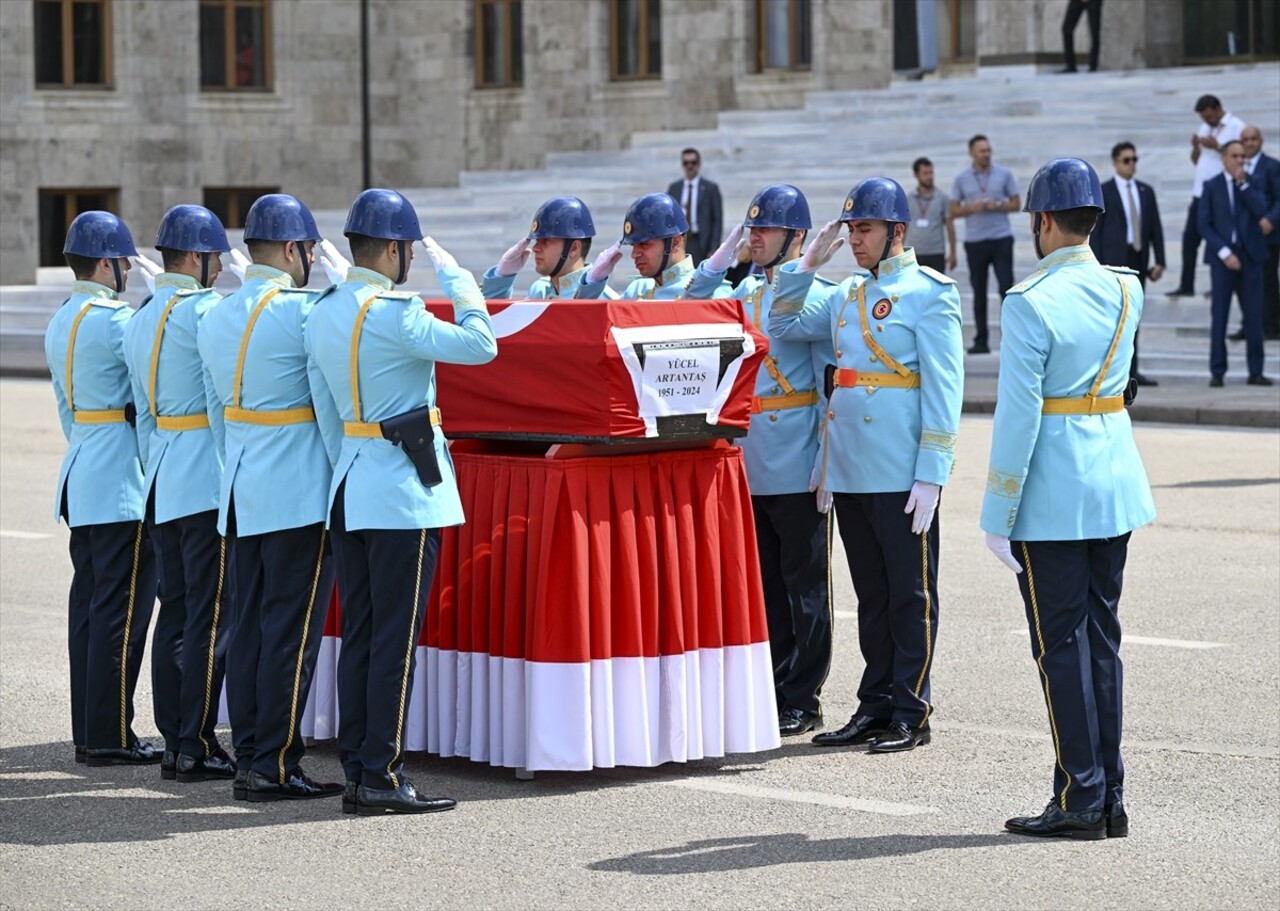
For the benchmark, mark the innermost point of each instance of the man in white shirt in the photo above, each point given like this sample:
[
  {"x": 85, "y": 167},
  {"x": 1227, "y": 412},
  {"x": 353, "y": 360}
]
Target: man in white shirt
[
  {"x": 1219, "y": 128},
  {"x": 703, "y": 208}
]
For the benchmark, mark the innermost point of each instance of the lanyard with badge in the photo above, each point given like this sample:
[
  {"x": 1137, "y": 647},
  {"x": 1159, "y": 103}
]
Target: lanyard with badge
[{"x": 923, "y": 202}]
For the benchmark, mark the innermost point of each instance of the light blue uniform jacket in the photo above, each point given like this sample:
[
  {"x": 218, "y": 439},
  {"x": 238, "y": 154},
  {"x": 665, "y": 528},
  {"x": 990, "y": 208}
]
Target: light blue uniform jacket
[
  {"x": 680, "y": 280},
  {"x": 399, "y": 345},
  {"x": 573, "y": 285},
  {"x": 882, "y": 440},
  {"x": 1056, "y": 477},
  {"x": 277, "y": 477},
  {"x": 101, "y": 473},
  {"x": 183, "y": 467}
]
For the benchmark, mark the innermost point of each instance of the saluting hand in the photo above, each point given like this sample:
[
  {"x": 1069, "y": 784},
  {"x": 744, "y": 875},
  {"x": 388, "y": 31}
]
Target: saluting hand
[
  {"x": 726, "y": 255},
  {"x": 237, "y": 264},
  {"x": 823, "y": 246},
  {"x": 1000, "y": 546},
  {"x": 439, "y": 256},
  {"x": 334, "y": 263},
  {"x": 149, "y": 271},
  {"x": 602, "y": 268},
  {"x": 514, "y": 259}
]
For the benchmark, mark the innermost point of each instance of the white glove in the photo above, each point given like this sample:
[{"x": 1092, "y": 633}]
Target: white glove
[
  {"x": 149, "y": 271},
  {"x": 824, "y": 498},
  {"x": 514, "y": 259},
  {"x": 439, "y": 256},
  {"x": 335, "y": 264},
  {"x": 922, "y": 503},
  {"x": 999, "y": 545},
  {"x": 238, "y": 263},
  {"x": 602, "y": 268},
  {"x": 726, "y": 255},
  {"x": 823, "y": 246}
]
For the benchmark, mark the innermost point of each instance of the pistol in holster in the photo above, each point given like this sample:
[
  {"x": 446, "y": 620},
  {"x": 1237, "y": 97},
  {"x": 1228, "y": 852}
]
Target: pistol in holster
[{"x": 414, "y": 433}]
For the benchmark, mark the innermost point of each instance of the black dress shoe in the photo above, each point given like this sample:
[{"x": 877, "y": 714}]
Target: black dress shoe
[
  {"x": 297, "y": 786},
  {"x": 349, "y": 798},
  {"x": 1088, "y": 825},
  {"x": 1215, "y": 381},
  {"x": 80, "y": 754},
  {"x": 1258, "y": 379},
  {"x": 169, "y": 765},
  {"x": 1143, "y": 380},
  {"x": 404, "y": 799},
  {"x": 1181, "y": 292},
  {"x": 798, "y": 721},
  {"x": 899, "y": 738},
  {"x": 979, "y": 349},
  {"x": 240, "y": 786},
  {"x": 1237, "y": 336},
  {"x": 1117, "y": 820},
  {"x": 141, "y": 753},
  {"x": 860, "y": 729},
  {"x": 217, "y": 765}
]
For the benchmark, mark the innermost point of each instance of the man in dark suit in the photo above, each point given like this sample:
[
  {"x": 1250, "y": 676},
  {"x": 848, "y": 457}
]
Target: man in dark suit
[
  {"x": 1236, "y": 249},
  {"x": 703, "y": 209},
  {"x": 1075, "y": 9},
  {"x": 1264, "y": 171},
  {"x": 1129, "y": 231}
]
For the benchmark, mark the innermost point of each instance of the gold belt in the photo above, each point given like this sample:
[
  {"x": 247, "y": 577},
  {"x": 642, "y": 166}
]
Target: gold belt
[
  {"x": 110, "y": 416},
  {"x": 1084, "y": 404},
  {"x": 373, "y": 430},
  {"x": 182, "y": 421},
  {"x": 847, "y": 377},
  {"x": 278, "y": 418},
  {"x": 761, "y": 403}
]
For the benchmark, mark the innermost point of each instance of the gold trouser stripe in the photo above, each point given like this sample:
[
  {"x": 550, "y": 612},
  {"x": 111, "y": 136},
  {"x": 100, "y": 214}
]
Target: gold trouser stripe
[
  {"x": 155, "y": 357},
  {"x": 182, "y": 421},
  {"x": 110, "y": 416},
  {"x": 762, "y": 403},
  {"x": 373, "y": 430},
  {"x": 279, "y": 418},
  {"x": 1044, "y": 677},
  {"x": 846, "y": 377},
  {"x": 928, "y": 625},
  {"x": 213, "y": 643},
  {"x": 1083, "y": 404},
  {"x": 71, "y": 356},
  {"x": 408, "y": 657},
  {"x": 302, "y": 651},
  {"x": 124, "y": 648}
]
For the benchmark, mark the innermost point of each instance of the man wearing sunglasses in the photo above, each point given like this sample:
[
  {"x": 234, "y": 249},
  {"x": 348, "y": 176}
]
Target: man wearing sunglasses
[
  {"x": 1129, "y": 231},
  {"x": 703, "y": 209}
]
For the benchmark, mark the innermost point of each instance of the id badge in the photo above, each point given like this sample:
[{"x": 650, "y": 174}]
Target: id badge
[{"x": 922, "y": 222}]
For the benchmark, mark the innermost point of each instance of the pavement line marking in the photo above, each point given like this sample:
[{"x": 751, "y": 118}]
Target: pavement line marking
[
  {"x": 884, "y": 808},
  {"x": 214, "y": 811},
  {"x": 1207, "y": 749},
  {"x": 130, "y": 793},
  {"x": 49, "y": 775},
  {"x": 1151, "y": 640},
  {"x": 22, "y": 535}
]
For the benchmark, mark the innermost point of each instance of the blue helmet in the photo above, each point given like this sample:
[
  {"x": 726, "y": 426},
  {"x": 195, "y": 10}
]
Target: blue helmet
[
  {"x": 653, "y": 217},
  {"x": 280, "y": 217},
  {"x": 192, "y": 228},
  {"x": 1064, "y": 183},
  {"x": 99, "y": 235},
  {"x": 385, "y": 214},
  {"x": 562, "y": 216},
  {"x": 877, "y": 199},
  {"x": 779, "y": 205}
]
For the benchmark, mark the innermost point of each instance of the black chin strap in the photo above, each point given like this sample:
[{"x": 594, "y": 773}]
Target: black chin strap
[
  {"x": 402, "y": 256},
  {"x": 1035, "y": 237},
  {"x": 564, "y": 258},
  {"x": 888, "y": 242},
  {"x": 115, "y": 266},
  {"x": 666, "y": 257},
  {"x": 786, "y": 245},
  {"x": 204, "y": 270}
]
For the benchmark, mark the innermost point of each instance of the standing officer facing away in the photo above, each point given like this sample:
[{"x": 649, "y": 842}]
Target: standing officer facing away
[
  {"x": 559, "y": 239},
  {"x": 100, "y": 494},
  {"x": 264, "y": 403},
  {"x": 394, "y": 486},
  {"x": 183, "y": 475},
  {"x": 888, "y": 447},
  {"x": 1066, "y": 487}
]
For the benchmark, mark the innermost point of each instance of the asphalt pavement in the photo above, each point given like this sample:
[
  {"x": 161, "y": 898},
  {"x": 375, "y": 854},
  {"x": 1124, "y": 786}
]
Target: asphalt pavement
[{"x": 797, "y": 827}]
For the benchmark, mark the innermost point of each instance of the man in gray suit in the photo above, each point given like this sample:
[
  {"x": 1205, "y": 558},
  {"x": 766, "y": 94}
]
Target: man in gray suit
[{"x": 703, "y": 208}]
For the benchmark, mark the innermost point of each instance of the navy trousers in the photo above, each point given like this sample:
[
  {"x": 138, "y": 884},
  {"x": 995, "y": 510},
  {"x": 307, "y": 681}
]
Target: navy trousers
[
  {"x": 113, "y": 591},
  {"x": 1071, "y": 590},
  {"x": 895, "y": 576},
  {"x": 1246, "y": 284},
  {"x": 384, "y": 577},
  {"x": 1190, "y": 246},
  {"x": 983, "y": 255},
  {"x": 189, "y": 645},
  {"x": 284, "y": 580},
  {"x": 794, "y": 541}
]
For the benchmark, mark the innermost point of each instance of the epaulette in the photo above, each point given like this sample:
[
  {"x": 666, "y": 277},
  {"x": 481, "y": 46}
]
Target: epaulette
[
  {"x": 937, "y": 276},
  {"x": 322, "y": 293},
  {"x": 1123, "y": 270},
  {"x": 398, "y": 295},
  {"x": 111, "y": 303},
  {"x": 1028, "y": 281},
  {"x": 188, "y": 292}
]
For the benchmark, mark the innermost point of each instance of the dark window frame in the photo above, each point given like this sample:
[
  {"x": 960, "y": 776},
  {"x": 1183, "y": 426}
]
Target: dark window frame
[
  {"x": 793, "y": 38},
  {"x": 229, "y": 84},
  {"x": 67, "y": 39},
  {"x": 646, "y": 69},
  {"x": 70, "y": 197},
  {"x": 233, "y": 213},
  {"x": 512, "y": 14}
]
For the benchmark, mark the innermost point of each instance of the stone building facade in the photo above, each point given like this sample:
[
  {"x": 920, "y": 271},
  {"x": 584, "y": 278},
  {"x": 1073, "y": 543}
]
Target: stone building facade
[{"x": 154, "y": 133}]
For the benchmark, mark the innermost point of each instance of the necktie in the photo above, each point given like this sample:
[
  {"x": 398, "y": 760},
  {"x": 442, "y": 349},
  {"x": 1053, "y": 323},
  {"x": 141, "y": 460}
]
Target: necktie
[
  {"x": 688, "y": 201},
  {"x": 1135, "y": 231}
]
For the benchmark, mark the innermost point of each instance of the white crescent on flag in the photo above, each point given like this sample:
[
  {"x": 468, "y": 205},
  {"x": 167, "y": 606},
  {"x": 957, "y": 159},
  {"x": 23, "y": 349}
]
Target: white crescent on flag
[{"x": 518, "y": 316}]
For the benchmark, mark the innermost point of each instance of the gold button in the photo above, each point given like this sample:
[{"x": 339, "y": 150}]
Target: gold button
[
  {"x": 773, "y": 417},
  {"x": 843, "y": 323},
  {"x": 867, "y": 419},
  {"x": 775, "y": 390},
  {"x": 870, "y": 389},
  {"x": 839, "y": 353},
  {"x": 895, "y": 298},
  {"x": 874, "y": 358},
  {"x": 831, "y": 415},
  {"x": 879, "y": 328}
]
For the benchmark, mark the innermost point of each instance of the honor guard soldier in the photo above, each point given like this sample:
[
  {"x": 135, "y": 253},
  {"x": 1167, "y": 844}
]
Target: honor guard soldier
[
  {"x": 793, "y": 534},
  {"x": 100, "y": 494},
  {"x": 888, "y": 446},
  {"x": 559, "y": 239},
  {"x": 655, "y": 228},
  {"x": 183, "y": 474},
  {"x": 394, "y": 486},
  {"x": 1065, "y": 488},
  {"x": 264, "y": 405}
]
